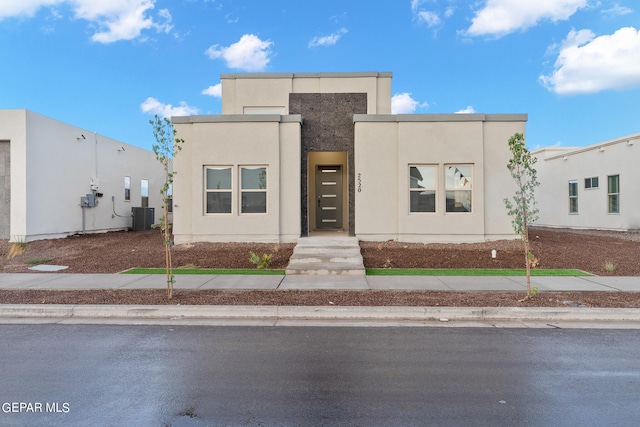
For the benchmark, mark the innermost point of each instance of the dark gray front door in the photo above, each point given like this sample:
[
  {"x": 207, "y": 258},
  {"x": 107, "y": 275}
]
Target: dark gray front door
[{"x": 329, "y": 197}]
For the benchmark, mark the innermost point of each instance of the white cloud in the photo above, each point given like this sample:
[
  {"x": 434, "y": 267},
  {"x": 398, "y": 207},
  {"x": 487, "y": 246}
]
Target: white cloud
[
  {"x": 338, "y": 18},
  {"x": 248, "y": 54},
  {"x": 123, "y": 19},
  {"x": 403, "y": 103},
  {"x": 115, "y": 19},
  {"x": 588, "y": 64},
  {"x": 153, "y": 106},
  {"x": 329, "y": 40},
  {"x": 501, "y": 17},
  {"x": 448, "y": 13},
  {"x": 231, "y": 19},
  {"x": 28, "y": 8},
  {"x": 468, "y": 110},
  {"x": 617, "y": 10},
  {"x": 430, "y": 18},
  {"x": 215, "y": 91}
]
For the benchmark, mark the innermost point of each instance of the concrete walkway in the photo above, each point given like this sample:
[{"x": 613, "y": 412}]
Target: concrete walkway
[
  {"x": 65, "y": 281},
  {"x": 509, "y": 317}
]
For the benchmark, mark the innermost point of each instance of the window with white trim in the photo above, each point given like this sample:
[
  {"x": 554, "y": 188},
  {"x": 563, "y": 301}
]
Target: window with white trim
[
  {"x": 127, "y": 188},
  {"x": 423, "y": 182},
  {"x": 613, "y": 194},
  {"x": 253, "y": 189},
  {"x": 573, "y": 197},
  {"x": 458, "y": 182},
  {"x": 593, "y": 182},
  {"x": 218, "y": 189},
  {"x": 144, "y": 193}
]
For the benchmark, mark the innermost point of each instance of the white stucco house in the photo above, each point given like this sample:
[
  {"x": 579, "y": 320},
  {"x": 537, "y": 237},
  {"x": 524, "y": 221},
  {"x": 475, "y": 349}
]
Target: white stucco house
[
  {"x": 57, "y": 179},
  {"x": 300, "y": 154},
  {"x": 590, "y": 187}
]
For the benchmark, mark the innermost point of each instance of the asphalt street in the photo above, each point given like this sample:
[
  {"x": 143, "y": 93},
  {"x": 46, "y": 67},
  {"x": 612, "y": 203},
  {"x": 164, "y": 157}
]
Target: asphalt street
[{"x": 317, "y": 376}]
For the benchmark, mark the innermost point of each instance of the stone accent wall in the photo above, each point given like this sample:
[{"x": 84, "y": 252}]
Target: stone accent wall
[
  {"x": 327, "y": 126},
  {"x": 5, "y": 189}
]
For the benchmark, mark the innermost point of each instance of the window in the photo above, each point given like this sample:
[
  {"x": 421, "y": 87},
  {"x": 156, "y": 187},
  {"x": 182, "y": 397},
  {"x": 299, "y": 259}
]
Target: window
[
  {"x": 573, "y": 197},
  {"x": 127, "y": 188},
  {"x": 613, "y": 193},
  {"x": 422, "y": 188},
  {"x": 170, "y": 198},
  {"x": 458, "y": 180},
  {"x": 591, "y": 182},
  {"x": 253, "y": 193},
  {"x": 218, "y": 189},
  {"x": 144, "y": 193}
]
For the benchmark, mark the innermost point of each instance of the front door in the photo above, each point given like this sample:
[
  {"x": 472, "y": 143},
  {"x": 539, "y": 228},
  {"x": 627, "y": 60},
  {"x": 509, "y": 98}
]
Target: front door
[{"x": 328, "y": 197}]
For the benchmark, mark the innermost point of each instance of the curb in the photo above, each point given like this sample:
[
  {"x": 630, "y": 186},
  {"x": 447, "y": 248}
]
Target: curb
[{"x": 276, "y": 313}]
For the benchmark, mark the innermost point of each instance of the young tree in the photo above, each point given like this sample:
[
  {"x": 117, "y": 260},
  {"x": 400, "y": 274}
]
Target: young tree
[
  {"x": 522, "y": 208},
  {"x": 165, "y": 149}
]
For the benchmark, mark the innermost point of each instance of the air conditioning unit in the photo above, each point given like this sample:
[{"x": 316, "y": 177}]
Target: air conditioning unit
[{"x": 143, "y": 218}]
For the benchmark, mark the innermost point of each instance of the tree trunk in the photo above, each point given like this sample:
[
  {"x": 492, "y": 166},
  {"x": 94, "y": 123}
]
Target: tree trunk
[
  {"x": 167, "y": 251},
  {"x": 527, "y": 260}
]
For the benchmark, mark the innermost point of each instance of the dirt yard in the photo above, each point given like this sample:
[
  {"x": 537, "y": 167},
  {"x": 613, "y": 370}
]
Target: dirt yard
[{"x": 599, "y": 253}]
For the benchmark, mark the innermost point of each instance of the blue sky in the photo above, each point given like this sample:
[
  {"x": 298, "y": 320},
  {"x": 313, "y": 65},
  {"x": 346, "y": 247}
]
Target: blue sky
[{"x": 110, "y": 65}]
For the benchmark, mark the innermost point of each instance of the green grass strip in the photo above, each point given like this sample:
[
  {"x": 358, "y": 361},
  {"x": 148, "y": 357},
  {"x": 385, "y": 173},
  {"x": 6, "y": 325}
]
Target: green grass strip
[
  {"x": 178, "y": 271},
  {"x": 471, "y": 272}
]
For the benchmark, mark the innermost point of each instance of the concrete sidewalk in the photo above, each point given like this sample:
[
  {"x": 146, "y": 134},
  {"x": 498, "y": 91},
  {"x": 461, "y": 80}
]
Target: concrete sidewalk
[
  {"x": 565, "y": 317},
  {"x": 66, "y": 281}
]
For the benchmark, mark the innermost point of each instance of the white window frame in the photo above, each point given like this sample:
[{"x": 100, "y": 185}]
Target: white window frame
[
  {"x": 243, "y": 190},
  {"x": 573, "y": 184},
  {"x": 127, "y": 188},
  {"x": 456, "y": 188},
  {"x": 144, "y": 193},
  {"x": 169, "y": 197},
  {"x": 207, "y": 191},
  {"x": 419, "y": 190},
  {"x": 611, "y": 194},
  {"x": 588, "y": 183}
]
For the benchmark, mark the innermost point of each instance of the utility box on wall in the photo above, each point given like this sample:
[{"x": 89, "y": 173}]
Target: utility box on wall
[
  {"x": 88, "y": 201},
  {"x": 143, "y": 218}
]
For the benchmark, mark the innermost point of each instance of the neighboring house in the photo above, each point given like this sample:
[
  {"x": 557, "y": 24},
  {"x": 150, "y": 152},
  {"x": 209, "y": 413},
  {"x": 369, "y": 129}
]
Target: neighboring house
[
  {"x": 299, "y": 154},
  {"x": 57, "y": 179},
  {"x": 590, "y": 187}
]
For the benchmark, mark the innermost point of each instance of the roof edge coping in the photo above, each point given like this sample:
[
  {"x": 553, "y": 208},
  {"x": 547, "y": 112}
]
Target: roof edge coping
[
  {"x": 440, "y": 117},
  {"x": 238, "y": 118},
  {"x": 305, "y": 75}
]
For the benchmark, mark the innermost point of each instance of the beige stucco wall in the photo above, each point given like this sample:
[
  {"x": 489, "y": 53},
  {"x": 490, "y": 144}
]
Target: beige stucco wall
[
  {"x": 385, "y": 146},
  {"x": 5, "y": 188},
  {"x": 13, "y": 129},
  {"x": 51, "y": 169},
  {"x": 231, "y": 140},
  {"x": 272, "y": 90},
  {"x": 557, "y": 166},
  {"x": 498, "y": 183}
]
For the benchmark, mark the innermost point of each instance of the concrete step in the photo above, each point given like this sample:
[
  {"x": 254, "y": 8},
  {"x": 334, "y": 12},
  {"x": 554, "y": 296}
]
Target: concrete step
[
  {"x": 329, "y": 256},
  {"x": 334, "y": 251},
  {"x": 325, "y": 269},
  {"x": 323, "y": 255}
]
